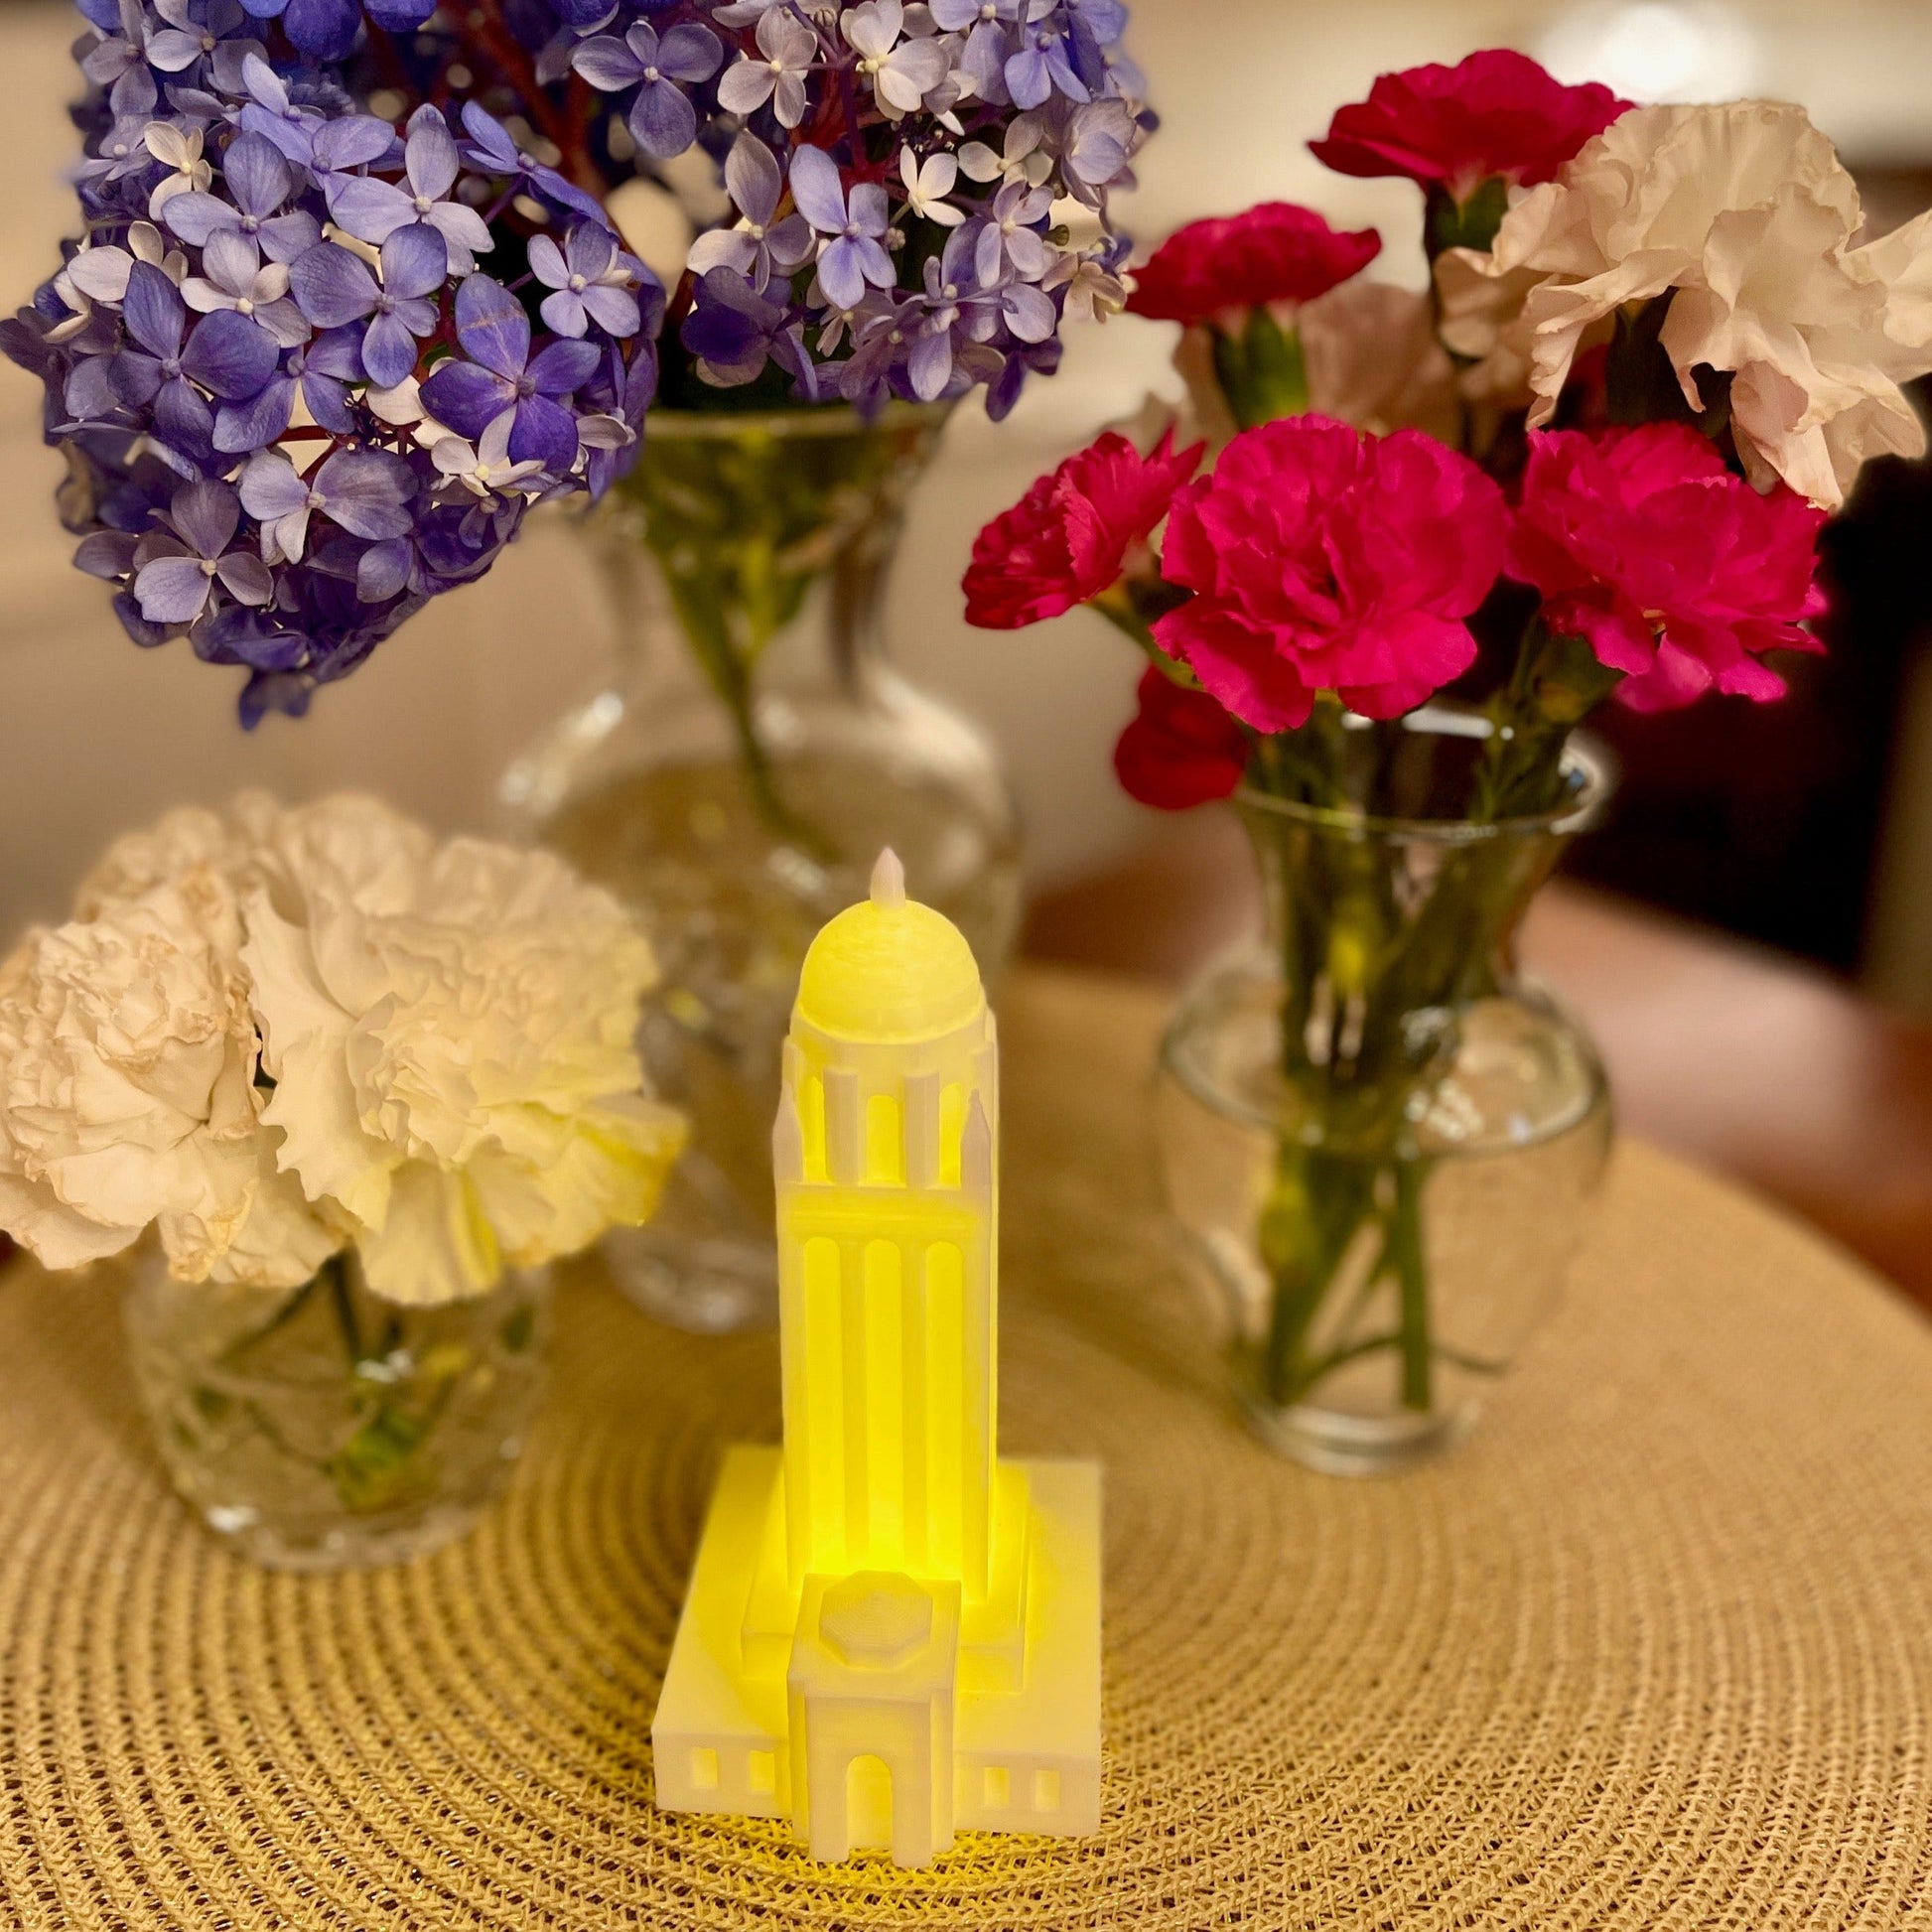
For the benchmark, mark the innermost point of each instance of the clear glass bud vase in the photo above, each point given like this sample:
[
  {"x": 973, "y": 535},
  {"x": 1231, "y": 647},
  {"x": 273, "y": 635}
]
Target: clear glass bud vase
[
  {"x": 322, "y": 1427},
  {"x": 1380, "y": 1141},
  {"x": 737, "y": 779}
]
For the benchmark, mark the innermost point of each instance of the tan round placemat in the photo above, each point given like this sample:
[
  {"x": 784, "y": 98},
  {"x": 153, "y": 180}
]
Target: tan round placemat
[{"x": 1653, "y": 1650}]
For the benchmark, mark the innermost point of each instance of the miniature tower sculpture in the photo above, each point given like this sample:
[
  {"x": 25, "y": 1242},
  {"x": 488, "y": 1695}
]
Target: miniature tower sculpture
[{"x": 889, "y": 1633}]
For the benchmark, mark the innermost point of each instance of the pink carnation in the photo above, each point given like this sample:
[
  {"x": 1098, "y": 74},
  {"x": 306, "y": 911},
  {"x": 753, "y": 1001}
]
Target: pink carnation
[
  {"x": 1274, "y": 253},
  {"x": 1324, "y": 560},
  {"x": 1069, "y": 539},
  {"x": 1673, "y": 570},
  {"x": 1181, "y": 748},
  {"x": 1493, "y": 113}
]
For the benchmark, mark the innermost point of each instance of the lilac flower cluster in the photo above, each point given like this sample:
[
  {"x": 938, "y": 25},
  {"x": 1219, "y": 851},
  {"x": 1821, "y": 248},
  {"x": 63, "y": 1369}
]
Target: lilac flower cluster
[{"x": 294, "y": 404}]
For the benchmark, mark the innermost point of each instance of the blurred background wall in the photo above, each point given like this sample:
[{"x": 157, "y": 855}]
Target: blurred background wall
[{"x": 1809, "y": 825}]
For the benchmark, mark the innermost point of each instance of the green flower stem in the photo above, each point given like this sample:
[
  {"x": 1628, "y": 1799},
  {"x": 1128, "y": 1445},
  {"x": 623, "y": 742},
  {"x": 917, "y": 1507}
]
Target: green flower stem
[
  {"x": 379, "y": 1466},
  {"x": 292, "y": 1306},
  {"x": 744, "y": 524},
  {"x": 1556, "y": 681},
  {"x": 1318, "y": 1204},
  {"x": 1260, "y": 370},
  {"x": 1412, "y": 1271},
  {"x": 1468, "y": 223},
  {"x": 1125, "y": 606},
  {"x": 336, "y": 1271},
  {"x": 1352, "y": 1351},
  {"x": 1372, "y": 983},
  {"x": 759, "y": 777}
]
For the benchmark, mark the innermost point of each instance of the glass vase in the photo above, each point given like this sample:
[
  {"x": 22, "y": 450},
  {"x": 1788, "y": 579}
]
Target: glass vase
[
  {"x": 325, "y": 1429},
  {"x": 1379, "y": 1139},
  {"x": 737, "y": 781}
]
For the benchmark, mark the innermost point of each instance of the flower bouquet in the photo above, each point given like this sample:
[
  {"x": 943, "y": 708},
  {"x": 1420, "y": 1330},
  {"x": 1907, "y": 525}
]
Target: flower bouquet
[
  {"x": 360, "y": 1087},
  {"x": 1411, "y": 541}
]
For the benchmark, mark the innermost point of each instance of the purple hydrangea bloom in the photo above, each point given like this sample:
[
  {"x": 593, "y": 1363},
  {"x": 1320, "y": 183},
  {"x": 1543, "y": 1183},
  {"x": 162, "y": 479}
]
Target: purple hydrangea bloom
[
  {"x": 1044, "y": 66},
  {"x": 365, "y": 491},
  {"x": 957, "y": 311},
  {"x": 259, "y": 182},
  {"x": 988, "y": 38},
  {"x": 183, "y": 39},
  {"x": 271, "y": 111},
  {"x": 234, "y": 278},
  {"x": 400, "y": 16},
  {"x": 788, "y": 50},
  {"x": 978, "y": 116},
  {"x": 883, "y": 336},
  {"x": 854, "y": 226},
  {"x": 758, "y": 245},
  {"x": 902, "y": 73},
  {"x": 174, "y": 575},
  {"x": 368, "y": 419},
  {"x": 227, "y": 355},
  {"x": 732, "y": 329},
  {"x": 503, "y": 375},
  {"x": 662, "y": 120},
  {"x": 593, "y": 280},
  {"x": 325, "y": 30},
  {"x": 373, "y": 210},
  {"x": 1013, "y": 234},
  {"x": 320, "y": 373},
  {"x": 492, "y": 151},
  {"x": 123, "y": 152},
  {"x": 334, "y": 287},
  {"x": 251, "y": 464},
  {"x": 1022, "y": 361}
]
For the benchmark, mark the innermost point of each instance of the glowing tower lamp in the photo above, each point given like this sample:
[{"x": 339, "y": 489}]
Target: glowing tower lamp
[{"x": 889, "y": 1632}]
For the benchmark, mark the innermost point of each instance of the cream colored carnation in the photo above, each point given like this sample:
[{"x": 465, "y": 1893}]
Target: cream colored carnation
[
  {"x": 191, "y": 836},
  {"x": 1484, "y": 320},
  {"x": 127, "y": 1057},
  {"x": 1371, "y": 357},
  {"x": 451, "y": 1033},
  {"x": 1373, "y": 361},
  {"x": 270, "y": 1033},
  {"x": 1744, "y": 210}
]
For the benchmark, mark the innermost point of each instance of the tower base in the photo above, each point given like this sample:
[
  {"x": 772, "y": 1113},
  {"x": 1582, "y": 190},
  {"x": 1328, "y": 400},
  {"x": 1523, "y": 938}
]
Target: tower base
[{"x": 865, "y": 1731}]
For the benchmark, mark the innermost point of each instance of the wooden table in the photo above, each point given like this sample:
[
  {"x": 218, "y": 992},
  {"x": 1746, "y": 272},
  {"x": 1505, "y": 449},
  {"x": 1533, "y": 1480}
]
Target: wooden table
[{"x": 1745, "y": 1061}]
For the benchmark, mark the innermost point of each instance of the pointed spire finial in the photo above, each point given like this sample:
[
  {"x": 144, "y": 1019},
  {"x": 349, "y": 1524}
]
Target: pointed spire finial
[{"x": 889, "y": 882}]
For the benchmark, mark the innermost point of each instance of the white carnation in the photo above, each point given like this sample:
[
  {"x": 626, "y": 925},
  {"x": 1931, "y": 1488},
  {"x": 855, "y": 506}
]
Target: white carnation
[
  {"x": 451, "y": 1033},
  {"x": 270, "y": 1033},
  {"x": 176, "y": 843},
  {"x": 1745, "y": 212},
  {"x": 127, "y": 1057}
]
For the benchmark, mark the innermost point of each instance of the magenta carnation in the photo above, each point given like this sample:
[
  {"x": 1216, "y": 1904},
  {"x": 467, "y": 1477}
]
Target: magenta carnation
[
  {"x": 1493, "y": 113},
  {"x": 1322, "y": 559},
  {"x": 1181, "y": 748},
  {"x": 1276, "y": 252},
  {"x": 1069, "y": 539},
  {"x": 1674, "y": 571}
]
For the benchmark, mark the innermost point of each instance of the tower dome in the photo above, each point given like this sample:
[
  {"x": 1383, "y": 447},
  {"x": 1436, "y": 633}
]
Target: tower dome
[{"x": 890, "y": 968}]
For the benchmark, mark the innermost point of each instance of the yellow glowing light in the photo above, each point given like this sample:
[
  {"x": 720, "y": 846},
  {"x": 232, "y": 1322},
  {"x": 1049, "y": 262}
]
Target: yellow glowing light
[{"x": 889, "y": 1633}]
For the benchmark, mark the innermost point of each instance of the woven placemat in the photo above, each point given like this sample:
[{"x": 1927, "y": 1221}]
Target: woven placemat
[{"x": 1654, "y": 1649}]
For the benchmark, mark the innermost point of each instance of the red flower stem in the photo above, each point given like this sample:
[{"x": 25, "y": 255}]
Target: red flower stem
[
  {"x": 481, "y": 29},
  {"x": 577, "y": 115},
  {"x": 389, "y": 58}
]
